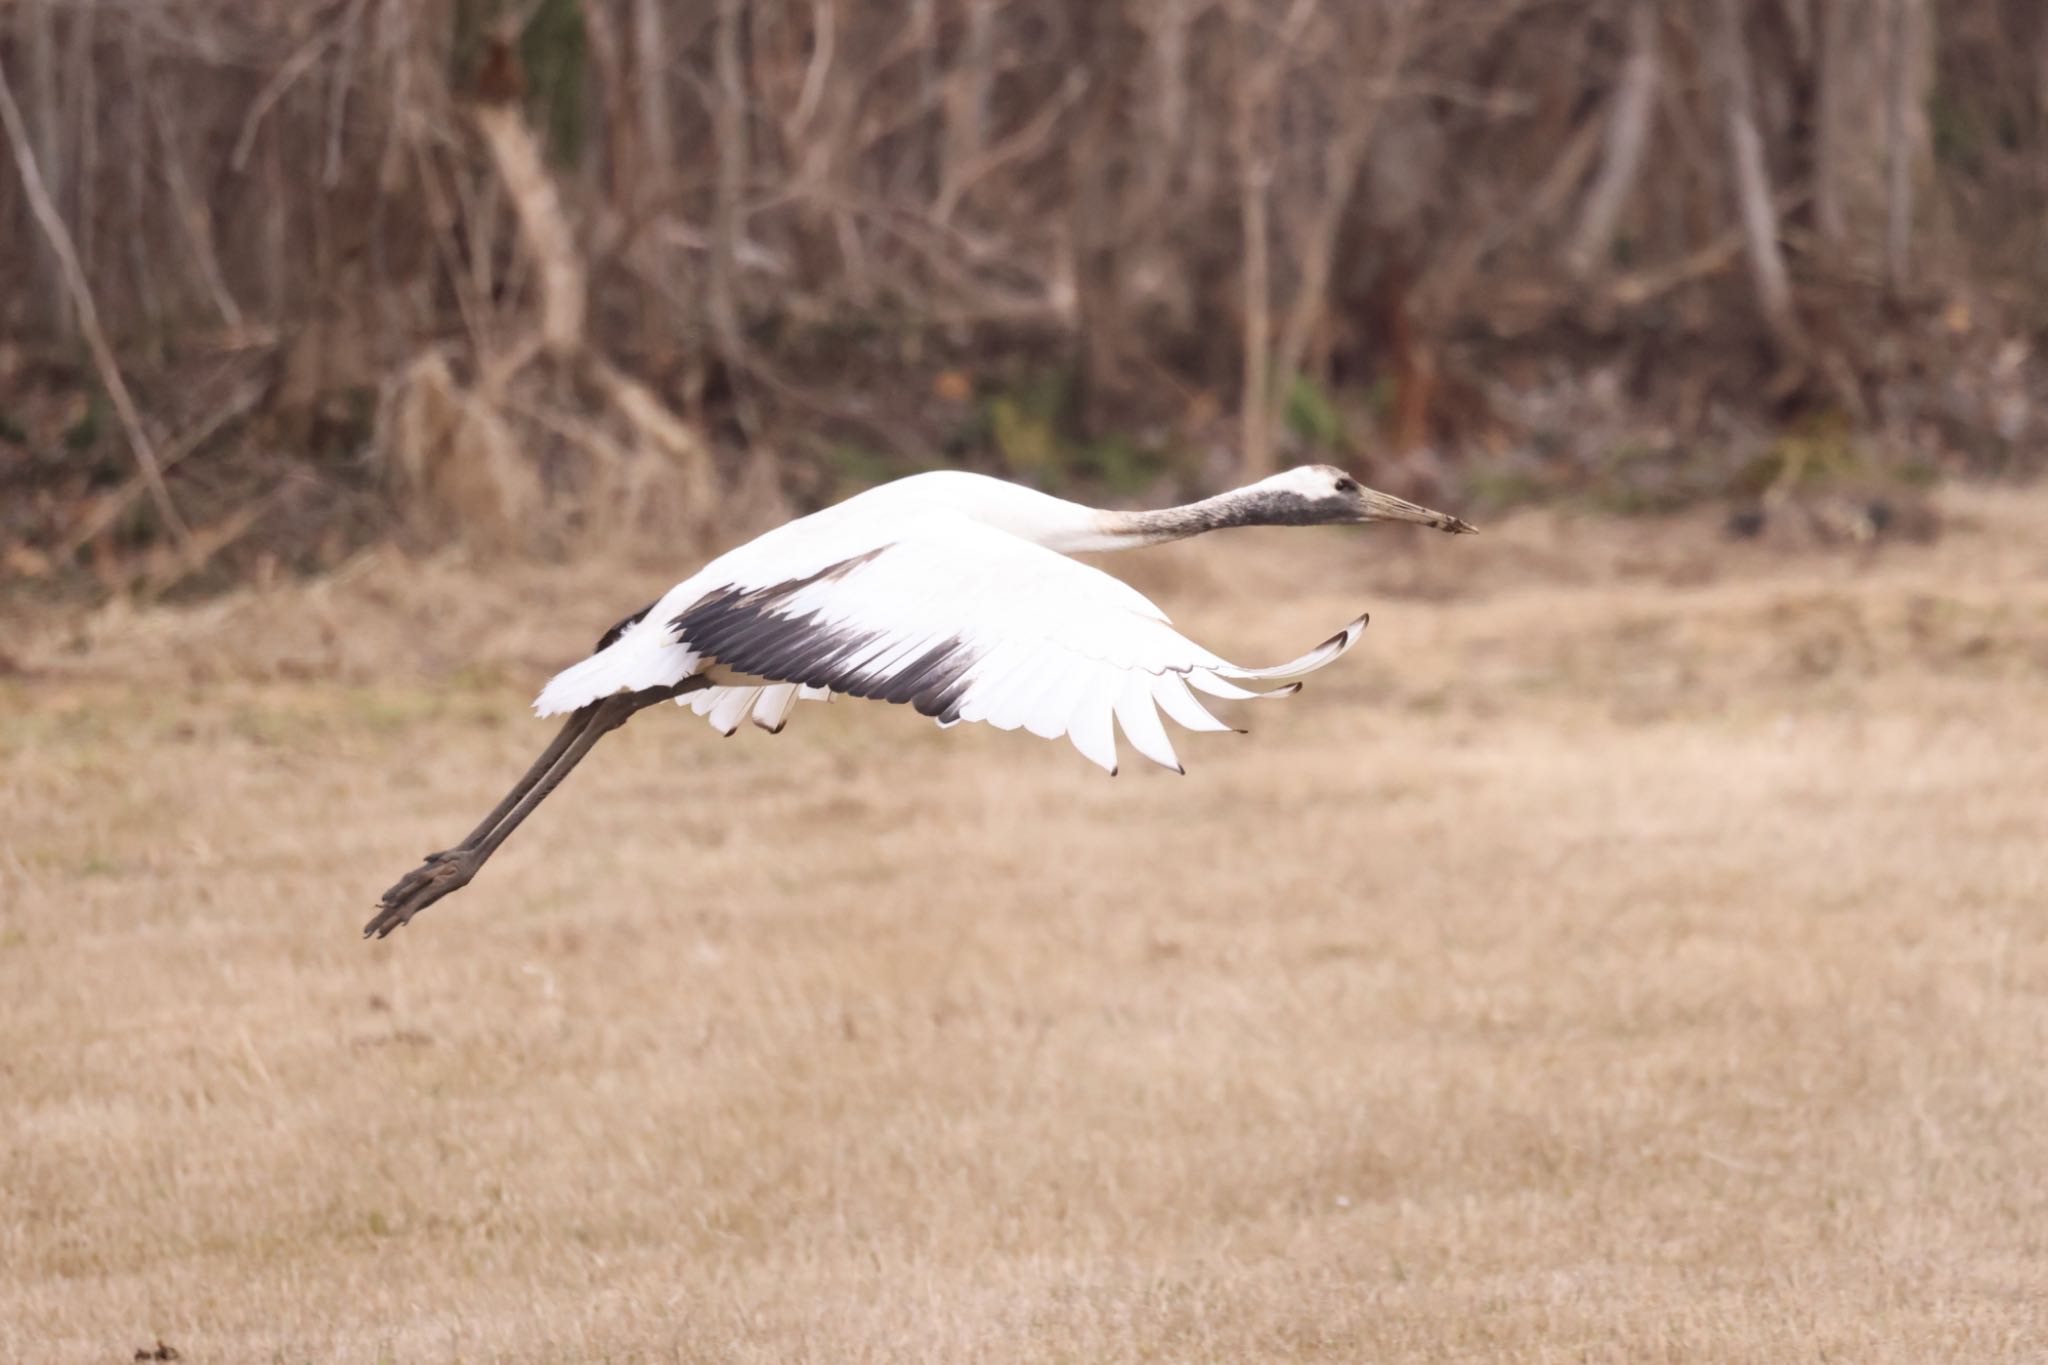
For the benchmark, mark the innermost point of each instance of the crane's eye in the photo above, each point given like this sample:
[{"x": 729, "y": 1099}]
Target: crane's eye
[{"x": 1347, "y": 485}]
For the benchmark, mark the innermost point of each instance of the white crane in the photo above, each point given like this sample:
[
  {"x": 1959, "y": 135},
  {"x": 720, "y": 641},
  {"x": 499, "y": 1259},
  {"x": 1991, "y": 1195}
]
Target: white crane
[{"x": 950, "y": 591}]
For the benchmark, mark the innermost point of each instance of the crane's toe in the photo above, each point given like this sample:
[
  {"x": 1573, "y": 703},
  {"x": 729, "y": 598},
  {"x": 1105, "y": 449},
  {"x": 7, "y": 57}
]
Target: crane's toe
[{"x": 437, "y": 876}]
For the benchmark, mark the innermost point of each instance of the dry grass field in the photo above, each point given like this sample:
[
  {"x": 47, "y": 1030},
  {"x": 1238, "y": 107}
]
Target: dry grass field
[{"x": 1636, "y": 951}]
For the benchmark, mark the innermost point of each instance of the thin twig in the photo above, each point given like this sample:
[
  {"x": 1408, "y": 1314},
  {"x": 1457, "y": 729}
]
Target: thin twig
[
  {"x": 191, "y": 210},
  {"x": 88, "y": 315},
  {"x": 288, "y": 75},
  {"x": 238, "y": 405}
]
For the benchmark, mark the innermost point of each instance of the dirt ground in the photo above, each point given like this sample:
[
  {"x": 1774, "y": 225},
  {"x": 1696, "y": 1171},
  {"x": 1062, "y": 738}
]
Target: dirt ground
[{"x": 1637, "y": 950}]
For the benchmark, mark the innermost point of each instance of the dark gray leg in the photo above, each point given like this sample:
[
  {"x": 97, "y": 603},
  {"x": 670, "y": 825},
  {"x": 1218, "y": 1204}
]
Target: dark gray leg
[{"x": 452, "y": 868}]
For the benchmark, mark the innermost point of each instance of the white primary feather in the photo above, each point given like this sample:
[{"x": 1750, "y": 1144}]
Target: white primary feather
[
  {"x": 1170, "y": 690},
  {"x": 910, "y": 597},
  {"x": 1139, "y": 718}
]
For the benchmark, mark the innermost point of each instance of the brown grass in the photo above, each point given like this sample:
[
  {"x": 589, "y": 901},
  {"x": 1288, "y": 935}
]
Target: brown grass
[{"x": 1635, "y": 952}]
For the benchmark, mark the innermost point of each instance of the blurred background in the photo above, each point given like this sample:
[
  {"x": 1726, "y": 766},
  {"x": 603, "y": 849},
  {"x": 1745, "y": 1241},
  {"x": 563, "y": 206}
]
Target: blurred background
[
  {"x": 549, "y": 274},
  {"x": 1632, "y": 951}
]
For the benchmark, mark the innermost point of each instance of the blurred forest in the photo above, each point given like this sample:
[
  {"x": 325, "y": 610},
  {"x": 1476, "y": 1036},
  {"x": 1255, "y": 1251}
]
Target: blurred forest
[{"x": 281, "y": 279}]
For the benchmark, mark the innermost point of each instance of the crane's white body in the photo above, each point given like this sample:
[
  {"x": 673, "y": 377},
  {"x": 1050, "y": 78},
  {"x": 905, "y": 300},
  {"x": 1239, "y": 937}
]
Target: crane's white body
[{"x": 948, "y": 590}]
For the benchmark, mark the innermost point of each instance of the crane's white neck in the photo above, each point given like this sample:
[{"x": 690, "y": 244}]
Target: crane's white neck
[{"x": 1311, "y": 496}]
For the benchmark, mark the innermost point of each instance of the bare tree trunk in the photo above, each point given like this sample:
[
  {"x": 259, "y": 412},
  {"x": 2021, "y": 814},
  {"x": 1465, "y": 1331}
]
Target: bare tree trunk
[
  {"x": 1628, "y": 133},
  {"x": 1831, "y": 67},
  {"x": 1357, "y": 118},
  {"x": 72, "y": 278},
  {"x": 193, "y": 213},
  {"x": 542, "y": 223},
  {"x": 914, "y": 177},
  {"x": 619, "y": 165},
  {"x": 277, "y": 246},
  {"x": 1096, "y": 163},
  {"x": 650, "y": 70},
  {"x": 1900, "y": 72},
  {"x": 46, "y": 134},
  {"x": 967, "y": 99},
  {"x": 1255, "y": 84},
  {"x": 1752, "y": 185},
  {"x": 1255, "y": 187},
  {"x": 141, "y": 261},
  {"x": 729, "y": 136},
  {"x": 81, "y": 109}
]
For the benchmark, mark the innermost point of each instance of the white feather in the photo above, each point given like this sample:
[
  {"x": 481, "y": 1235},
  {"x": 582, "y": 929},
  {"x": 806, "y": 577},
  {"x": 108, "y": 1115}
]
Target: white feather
[
  {"x": 1089, "y": 727},
  {"x": 1171, "y": 692},
  {"x": 1140, "y": 720},
  {"x": 733, "y": 708},
  {"x": 1202, "y": 680},
  {"x": 1060, "y": 685},
  {"x": 771, "y": 713}
]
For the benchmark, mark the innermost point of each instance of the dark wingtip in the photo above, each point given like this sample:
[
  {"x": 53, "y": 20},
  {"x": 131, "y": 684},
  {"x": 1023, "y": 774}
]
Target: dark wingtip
[{"x": 1350, "y": 632}]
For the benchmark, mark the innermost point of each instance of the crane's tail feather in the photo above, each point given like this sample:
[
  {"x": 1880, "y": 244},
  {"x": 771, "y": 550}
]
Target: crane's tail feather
[
  {"x": 771, "y": 713},
  {"x": 1325, "y": 653},
  {"x": 637, "y": 660},
  {"x": 733, "y": 706}
]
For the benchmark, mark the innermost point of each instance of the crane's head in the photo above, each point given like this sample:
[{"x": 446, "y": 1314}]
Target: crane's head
[{"x": 1326, "y": 495}]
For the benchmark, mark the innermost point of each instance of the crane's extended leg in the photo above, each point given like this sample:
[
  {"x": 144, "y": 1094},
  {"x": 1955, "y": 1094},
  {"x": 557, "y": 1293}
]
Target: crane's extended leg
[{"x": 452, "y": 868}]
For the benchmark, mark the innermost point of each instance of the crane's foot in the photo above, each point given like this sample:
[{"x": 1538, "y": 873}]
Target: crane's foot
[{"x": 442, "y": 873}]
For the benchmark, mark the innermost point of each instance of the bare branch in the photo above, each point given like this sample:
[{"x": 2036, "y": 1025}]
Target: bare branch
[
  {"x": 1628, "y": 133},
  {"x": 1752, "y": 184},
  {"x": 542, "y": 223},
  {"x": 53, "y": 228}
]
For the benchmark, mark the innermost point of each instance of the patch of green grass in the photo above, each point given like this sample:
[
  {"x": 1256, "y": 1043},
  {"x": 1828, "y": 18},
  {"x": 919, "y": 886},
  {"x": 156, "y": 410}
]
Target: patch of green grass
[{"x": 100, "y": 865}]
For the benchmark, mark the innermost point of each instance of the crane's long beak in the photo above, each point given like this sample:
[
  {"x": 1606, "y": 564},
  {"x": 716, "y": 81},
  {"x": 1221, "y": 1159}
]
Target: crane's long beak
[{"x": 1386, "y": 507}]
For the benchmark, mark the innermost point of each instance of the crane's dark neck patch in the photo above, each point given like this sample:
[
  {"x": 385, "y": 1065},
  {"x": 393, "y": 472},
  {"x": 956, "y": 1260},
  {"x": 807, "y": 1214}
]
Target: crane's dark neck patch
[{"x": 1245, "y": 507}]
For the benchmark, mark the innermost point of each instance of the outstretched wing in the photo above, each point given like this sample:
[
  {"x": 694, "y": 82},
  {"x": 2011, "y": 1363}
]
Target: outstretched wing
[{"x": 967, "y": 623}]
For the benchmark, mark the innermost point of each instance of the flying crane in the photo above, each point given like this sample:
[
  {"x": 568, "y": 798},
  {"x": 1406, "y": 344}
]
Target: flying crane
[{"x": 948, "y": 591}]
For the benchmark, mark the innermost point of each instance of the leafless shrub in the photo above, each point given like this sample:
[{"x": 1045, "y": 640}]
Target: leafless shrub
[{"x": 652, "y": 240}]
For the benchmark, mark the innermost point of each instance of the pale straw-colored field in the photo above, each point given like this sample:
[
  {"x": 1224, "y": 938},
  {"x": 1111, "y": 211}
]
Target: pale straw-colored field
[{"x": 1636, "y": 950}]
